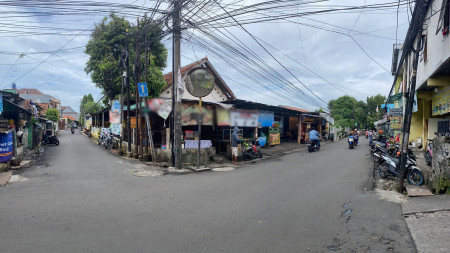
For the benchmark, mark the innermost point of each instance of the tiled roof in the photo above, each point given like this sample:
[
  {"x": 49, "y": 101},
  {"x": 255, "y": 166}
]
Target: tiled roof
[
  {"x": 293, "y": 108},
  {"x": 25, "y": 104},
  {"x": 69, "y": 117},
  {"x": 30, "y": 91},
  {"x": 44, "y": 107}
]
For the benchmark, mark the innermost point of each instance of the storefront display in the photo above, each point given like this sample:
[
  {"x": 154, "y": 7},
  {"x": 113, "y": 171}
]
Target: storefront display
[{"x": 274, "y": 134}]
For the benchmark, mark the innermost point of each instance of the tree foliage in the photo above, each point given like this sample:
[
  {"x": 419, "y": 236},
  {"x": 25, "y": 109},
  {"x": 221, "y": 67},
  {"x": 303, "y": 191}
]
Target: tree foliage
[
  {"x": 52, "y": 114},
  {"x": 88, "y": 105},
  {"x": 108, "y": 42},
  {"x": 348, "y": 112}
]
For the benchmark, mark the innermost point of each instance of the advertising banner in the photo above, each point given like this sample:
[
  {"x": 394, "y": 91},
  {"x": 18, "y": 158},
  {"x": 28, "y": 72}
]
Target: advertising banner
[
  {"x": 242, "y": 118},
  {"x": 396, "y": 118},
  {"x": 6, "y": 146},
  {"x": 441, "y": 101},
  {"x": 114, "y": 118},
  {"x": 189, "y": 115},
  {"x": 162, "y": 107},
  {"x": 265, "y": 119},
  {"x": 223, "y": 116}
]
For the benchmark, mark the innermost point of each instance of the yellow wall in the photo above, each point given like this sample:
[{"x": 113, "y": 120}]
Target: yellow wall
[
  {"x": 426, "y": 115},
  {"x": 397, "y": 84},
  {"x": 416, "y": 130}
]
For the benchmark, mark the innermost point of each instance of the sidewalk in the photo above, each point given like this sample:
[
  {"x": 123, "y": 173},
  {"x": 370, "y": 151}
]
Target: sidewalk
[{"x": 428, "y": 220}]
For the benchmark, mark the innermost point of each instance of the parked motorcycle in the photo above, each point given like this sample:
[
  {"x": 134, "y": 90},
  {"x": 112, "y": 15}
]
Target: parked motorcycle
[
  {"x": 313, "y": 145},
  {"x": 50, "y": 139},
  {"x": 389, "y": 166},
  {"x": 351, "y": 142},
  {"x": 105, "y": 139},
  {"x": 251, "y": 151},
  {"x": 429, "y": 152}
]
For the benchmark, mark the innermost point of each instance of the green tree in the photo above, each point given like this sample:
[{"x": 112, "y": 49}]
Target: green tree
[
  {"x": 105, "y": 47},
  {"x": 52, "y": 114},
  {"x": 373, "y": 103}
]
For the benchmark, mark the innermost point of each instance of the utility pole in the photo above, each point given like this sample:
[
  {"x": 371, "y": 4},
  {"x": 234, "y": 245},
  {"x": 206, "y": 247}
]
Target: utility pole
[
  {"x": 176, "y": 120},
  {"x": 123, "y": 58},
  {"x": 136, "y": 80},
  {"x": 141, "y": 125},
  {"x": 421, "y": 12},
  {"x": 148, "y": 87},
  {"x": 128, "y": 97},
  {"x": 408, "y": 112}
]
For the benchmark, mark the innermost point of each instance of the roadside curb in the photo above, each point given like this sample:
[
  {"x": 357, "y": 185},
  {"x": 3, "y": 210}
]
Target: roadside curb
[{"x": 188, "y": 169}]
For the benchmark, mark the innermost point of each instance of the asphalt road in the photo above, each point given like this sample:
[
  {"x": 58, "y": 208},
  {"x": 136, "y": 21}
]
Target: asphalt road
[{"x": 83, "y": 199}]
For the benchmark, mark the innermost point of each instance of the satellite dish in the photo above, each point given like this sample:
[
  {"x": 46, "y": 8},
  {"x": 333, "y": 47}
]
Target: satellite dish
[{"x": 200, "y": 82}]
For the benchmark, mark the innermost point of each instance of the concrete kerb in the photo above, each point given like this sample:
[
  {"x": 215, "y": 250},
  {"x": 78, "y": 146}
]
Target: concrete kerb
[{"x": 187, "y": 169}]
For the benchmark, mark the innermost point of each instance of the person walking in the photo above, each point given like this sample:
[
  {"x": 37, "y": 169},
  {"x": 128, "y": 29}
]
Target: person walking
[
  {"x": 234, "y": 145},
  {"x": 370, "y": 134}
]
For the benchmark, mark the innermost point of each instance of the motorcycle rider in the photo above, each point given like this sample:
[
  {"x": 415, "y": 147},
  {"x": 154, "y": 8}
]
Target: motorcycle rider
[
  {"x": 356, "y": 136},
  {"x": 314, "y": 136},
  {"x": 234, "y": 145}
]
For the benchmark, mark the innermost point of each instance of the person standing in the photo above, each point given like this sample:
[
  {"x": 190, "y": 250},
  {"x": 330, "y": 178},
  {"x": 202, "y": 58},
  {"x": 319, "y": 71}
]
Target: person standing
[{"x": 234, "y": 145}]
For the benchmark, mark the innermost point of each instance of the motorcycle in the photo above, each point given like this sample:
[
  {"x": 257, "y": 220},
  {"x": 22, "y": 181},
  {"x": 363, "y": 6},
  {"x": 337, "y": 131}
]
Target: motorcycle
[
  {"x": 251, "y": 151},
  {"x": 50, "y": 139},
  {"x": 356, "y": 137},
  {"x": 351, "y": 142},
  {"x": 389, "y": 166},
  {"x": 429, "y": 152},
  {"x": 313, "y": 145},
  {"x": 72, "y": 130},
  {"x": 105, "y": 139}
]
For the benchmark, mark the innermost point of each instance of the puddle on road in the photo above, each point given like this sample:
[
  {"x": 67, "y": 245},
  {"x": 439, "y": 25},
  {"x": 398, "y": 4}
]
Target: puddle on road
[
  {"x": 334, "y": 248},
  {"x": 346, "y": 212},
  {"x": 17, "y": 178}
]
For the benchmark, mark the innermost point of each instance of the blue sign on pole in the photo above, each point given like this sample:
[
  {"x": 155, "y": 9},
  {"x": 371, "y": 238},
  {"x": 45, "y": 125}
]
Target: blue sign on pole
[{"x": 143, "y": 91}]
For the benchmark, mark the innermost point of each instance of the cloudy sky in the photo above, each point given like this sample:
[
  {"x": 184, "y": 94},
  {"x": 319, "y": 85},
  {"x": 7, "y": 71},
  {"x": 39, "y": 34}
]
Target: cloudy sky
[{"x": 318, "y": 56}]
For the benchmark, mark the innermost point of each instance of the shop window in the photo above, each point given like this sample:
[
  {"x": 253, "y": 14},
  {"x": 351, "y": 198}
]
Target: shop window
[
  {"x": 446, "y": 18},
  {"x": 425, "y": 50}
]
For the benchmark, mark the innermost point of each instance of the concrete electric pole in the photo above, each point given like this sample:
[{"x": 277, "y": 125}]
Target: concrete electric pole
[{"x": 176, "y": 120}]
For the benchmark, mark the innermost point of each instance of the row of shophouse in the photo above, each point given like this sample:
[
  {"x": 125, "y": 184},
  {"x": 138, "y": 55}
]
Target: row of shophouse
[
  {"x": 221, "y": 111},
  {"x": 23, "y": 122},
  {"x": 431, "y": 111}
]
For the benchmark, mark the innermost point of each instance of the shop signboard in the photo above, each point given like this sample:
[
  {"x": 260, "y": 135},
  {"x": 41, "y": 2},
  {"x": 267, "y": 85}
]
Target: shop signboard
[
  {"x": 243, "y": 118},
  {"x": 223, "y": 116},
  {"x": 1, "y": 103},
  {"x": 189, "y": 115},
  {"x": 265, "y": 118},
  {"x": 396, "y": 119},
  {"x": 441, "y": 101},
  {"x": 6, "y": 146}
]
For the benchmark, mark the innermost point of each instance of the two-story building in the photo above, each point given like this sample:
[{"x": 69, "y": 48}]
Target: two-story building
[{"x": 432, "y": 93}]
